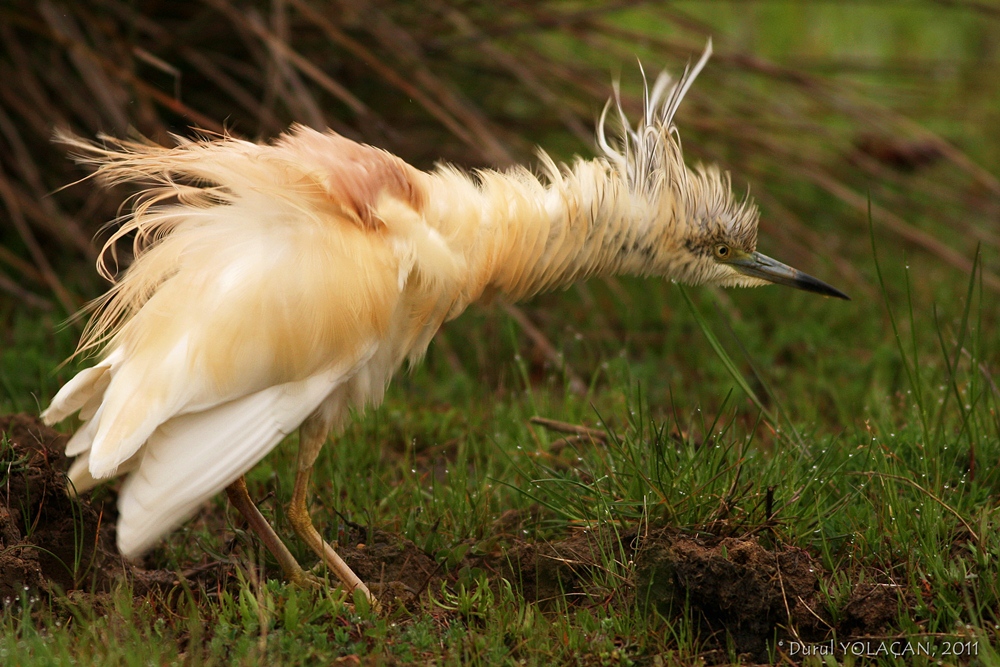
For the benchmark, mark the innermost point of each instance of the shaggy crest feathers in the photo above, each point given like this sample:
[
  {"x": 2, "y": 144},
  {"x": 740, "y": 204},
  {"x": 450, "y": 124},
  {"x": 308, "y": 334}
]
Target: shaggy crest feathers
[
  {"x": 651, "y": 153},
  {"x": 650, "y": 158}
]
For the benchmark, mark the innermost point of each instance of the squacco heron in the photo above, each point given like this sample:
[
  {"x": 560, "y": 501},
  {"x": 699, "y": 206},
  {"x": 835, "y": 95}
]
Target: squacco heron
[{"x": 277, "y": 286}]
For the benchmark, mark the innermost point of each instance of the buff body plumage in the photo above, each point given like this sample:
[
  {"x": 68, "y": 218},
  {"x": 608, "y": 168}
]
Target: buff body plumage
[{"x": 285, "y": 283}]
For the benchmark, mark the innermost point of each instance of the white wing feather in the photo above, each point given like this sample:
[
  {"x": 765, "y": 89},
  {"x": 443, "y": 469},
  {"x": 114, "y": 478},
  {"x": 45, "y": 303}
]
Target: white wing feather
[{"x": 192, "y": 457}]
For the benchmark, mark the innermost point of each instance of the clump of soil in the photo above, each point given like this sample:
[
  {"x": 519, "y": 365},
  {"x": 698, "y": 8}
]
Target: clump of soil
[
  {"x": 871, "y": 609},
  {"x": 50, "y": 541},
  {"x": 47, "y": 539},
  {"x": 736, "y": 585},
  {"x": 740, "y": 592},
  {"x": 574, "y": 568}
]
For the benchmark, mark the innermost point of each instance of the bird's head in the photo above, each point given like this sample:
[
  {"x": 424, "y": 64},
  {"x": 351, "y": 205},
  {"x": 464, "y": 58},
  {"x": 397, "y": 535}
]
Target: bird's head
[
  {"x": 718, "y": 235},
  {"x": 711, "y": 237}
]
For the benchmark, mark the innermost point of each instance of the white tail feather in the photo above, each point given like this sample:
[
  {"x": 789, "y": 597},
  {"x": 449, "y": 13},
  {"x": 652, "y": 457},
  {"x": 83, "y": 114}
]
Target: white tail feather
[
  {"x": 76, "y": 393},
  {"x": 80, "y": 479},
  {"x": 192, "y": 457}
]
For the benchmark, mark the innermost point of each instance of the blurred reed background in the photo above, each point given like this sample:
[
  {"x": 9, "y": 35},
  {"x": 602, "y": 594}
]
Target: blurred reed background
[{"x": 813, "y": 106}]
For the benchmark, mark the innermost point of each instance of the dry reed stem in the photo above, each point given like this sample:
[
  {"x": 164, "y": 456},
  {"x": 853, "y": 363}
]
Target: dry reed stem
[
  {"x": 201, "y": 63},
  {"x": 97, "y": 65},
  {"x": 520, "y": 69},
  {"x": 387, "y": 73},
  {"x": 398, "y": 41},
  {"x": 572, "y": 429},
  {"x": 24, "y": 231},
  {"x": 21, "y": 294}
]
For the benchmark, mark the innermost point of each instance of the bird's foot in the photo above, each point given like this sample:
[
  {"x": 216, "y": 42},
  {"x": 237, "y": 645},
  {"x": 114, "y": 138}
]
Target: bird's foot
[
  {"x": 306, "y": 579},
  {"x": 312, "y": 578}
]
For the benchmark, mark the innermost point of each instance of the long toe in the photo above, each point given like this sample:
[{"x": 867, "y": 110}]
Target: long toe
[{"x": 304, "y": 579}]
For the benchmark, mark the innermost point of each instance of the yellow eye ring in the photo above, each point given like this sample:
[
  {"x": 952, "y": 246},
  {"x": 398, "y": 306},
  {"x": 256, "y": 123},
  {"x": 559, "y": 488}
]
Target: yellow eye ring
[{"x": 722, "y": 251}]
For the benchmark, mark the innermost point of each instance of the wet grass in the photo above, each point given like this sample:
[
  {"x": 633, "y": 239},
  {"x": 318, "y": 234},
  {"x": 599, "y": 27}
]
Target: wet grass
[
  {"x": 885, "y": 473},
  {"x": 866, "y": 434}
]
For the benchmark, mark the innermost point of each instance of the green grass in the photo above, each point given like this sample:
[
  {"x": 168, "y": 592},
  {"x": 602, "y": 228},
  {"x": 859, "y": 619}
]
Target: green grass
[{"x": 866, "y": 434}]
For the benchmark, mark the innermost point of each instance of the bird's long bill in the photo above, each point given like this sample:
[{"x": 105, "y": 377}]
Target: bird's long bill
[{"x": 771, "y": 270}]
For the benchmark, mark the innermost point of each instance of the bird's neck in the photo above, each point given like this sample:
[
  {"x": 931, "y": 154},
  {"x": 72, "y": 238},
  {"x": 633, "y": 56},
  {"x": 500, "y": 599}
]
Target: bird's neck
[{"x": 521, "y": 237}]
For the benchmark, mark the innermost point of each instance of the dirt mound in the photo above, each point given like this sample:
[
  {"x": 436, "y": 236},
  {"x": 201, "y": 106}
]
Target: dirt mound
[
  {"x": 871, "y": 609},
  {"x": 739, "y": 592},
  {"x": 576, "y": 568},
  {"x": 49, "y": 541},
  {"x": 736, "y": 585},
  {"x": 46, "y": 538}
]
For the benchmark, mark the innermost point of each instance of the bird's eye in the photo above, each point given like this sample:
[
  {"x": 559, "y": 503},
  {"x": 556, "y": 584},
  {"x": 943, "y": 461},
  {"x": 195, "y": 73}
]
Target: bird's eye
[{"x": 722, "y": 251}]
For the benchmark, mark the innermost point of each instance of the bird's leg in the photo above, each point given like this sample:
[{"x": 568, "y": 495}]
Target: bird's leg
[
  {"x": 312, "y": 436},
  {"x": 240, "y": 498}
]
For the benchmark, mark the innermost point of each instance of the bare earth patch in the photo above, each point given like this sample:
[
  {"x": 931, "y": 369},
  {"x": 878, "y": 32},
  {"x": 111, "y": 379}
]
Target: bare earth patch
[
  {"x": 46, "y": 538},
  {"x": 50, "y": 542}
]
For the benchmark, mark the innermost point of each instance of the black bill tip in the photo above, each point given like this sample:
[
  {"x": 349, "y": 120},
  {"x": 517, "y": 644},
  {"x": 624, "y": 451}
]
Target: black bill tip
[
  {"x": 806, "y": 282},
  {"x": 761, "y": 266}
]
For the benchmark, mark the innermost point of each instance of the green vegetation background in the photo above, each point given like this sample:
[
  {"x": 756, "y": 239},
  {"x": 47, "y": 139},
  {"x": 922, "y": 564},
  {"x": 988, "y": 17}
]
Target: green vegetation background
[{"x": 873, "y": 423}]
